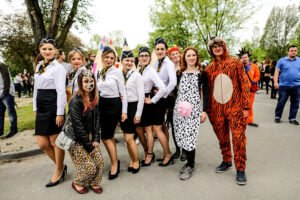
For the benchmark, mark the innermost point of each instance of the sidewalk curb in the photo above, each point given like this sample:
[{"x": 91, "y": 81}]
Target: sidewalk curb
[{"x": 20, "y": 154}]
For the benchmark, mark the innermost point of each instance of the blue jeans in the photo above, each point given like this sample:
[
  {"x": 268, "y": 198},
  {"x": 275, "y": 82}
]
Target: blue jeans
[
  {"x": 8, "y": 102},
  {"x": 284, "y": 93}
]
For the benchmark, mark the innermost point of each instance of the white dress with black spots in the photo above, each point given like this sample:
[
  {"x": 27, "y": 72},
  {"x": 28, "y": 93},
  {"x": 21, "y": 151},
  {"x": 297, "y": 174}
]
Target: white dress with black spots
[{"x": 186, "y": 129}]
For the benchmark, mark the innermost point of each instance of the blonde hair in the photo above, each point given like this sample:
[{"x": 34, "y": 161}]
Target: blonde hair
[{"x": 72, "y": 53}]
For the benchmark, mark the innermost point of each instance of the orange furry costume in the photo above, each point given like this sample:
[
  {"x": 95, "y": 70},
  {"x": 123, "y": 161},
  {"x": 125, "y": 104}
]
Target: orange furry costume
[{"x": 228, "y": 98}]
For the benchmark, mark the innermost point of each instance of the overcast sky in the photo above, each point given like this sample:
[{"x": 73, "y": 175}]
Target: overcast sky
[{"x": 132, "y": 17}]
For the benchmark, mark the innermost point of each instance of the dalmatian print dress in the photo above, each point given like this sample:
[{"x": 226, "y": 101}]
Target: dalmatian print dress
[{"x": 186, "y": 129}]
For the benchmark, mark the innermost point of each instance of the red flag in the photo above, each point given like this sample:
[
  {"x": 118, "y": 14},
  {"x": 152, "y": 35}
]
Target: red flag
[{"x": 110, "y": 42}]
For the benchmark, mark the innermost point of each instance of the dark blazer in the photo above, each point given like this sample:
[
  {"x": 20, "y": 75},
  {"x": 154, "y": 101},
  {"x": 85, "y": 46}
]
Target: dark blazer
[{"x": 83, "y": 123}]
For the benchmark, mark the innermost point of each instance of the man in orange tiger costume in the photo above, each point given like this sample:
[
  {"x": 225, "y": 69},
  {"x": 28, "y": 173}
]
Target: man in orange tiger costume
[{"x": 228, "y": 106}]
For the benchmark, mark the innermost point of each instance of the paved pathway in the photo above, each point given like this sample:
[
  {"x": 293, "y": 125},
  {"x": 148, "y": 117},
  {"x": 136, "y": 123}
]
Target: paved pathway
[{"x": 273, "y": 169}]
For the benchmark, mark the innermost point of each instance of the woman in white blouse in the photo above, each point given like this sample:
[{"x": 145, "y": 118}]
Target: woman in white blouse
[
  {"x": 110, "y": 82},
  {"x": 76, "y": 59},
  {"x": 49, "y": 102},
  {"x": 150, "y": 78},
  {"x": 135, "y": 97},
  {"x": 166, "y": 71}
]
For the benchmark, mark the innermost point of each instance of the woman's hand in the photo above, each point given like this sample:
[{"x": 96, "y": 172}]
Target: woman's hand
[
  {"x": 148, "y": 100},
  {"x": 95, "y": 144},
  {"x": 203, "y": 117},
  {"x": 137, "y": 120},
  {"x": 124, "y": 117},
  {"x": 60, "y": 120}
]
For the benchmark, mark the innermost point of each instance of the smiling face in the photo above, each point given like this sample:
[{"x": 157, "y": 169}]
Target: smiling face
[
  {"x": 144, "y": 58},
  {"x": 191, "y": 57},
  {"x": 160, "y": 51},
  {"x": 175, "y": 56},
  {"x": 217, "y": 50},
  {"x": 76, "y": 60},
  {"x": 48, "y": 51},
  {"x": 128, "y": 63},
  {"x": 109, "y": 60}
]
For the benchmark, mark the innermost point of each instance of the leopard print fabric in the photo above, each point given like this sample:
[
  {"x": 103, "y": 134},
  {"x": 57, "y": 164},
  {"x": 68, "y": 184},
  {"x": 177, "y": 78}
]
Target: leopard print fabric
[
  {"x": 89, "y": 166},
  {"x": 228, "y": 98}
]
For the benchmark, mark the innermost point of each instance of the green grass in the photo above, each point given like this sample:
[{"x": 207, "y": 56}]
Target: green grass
[{"x": 26, "y": 119}]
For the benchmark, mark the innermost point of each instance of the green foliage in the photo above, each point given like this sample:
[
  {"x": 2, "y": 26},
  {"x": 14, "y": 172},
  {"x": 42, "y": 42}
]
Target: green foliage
[
  {"x": 194, "y": 22},
  {"x": 17, "y": 44},
  {"x": 279, "y": 30},
  {"x": 82, "y": 18},
  {"x": 258, "y": 53}
]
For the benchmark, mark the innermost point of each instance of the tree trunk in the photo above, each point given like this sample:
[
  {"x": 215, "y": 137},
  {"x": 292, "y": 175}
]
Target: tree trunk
[
  {"x": 37, "y": 22},
  {"x": 64, "y": 33},
  {"x": 55, "y": 16}
]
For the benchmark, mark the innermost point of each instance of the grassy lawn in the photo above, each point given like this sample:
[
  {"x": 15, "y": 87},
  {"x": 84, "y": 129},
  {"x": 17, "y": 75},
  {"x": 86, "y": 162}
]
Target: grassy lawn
[{"x": 26, "y": 119}]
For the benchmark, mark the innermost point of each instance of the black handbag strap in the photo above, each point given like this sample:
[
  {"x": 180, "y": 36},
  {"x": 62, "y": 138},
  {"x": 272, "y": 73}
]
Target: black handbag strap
[{"x": 249, "y": 78}]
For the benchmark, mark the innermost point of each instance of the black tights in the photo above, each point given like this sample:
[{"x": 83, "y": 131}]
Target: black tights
[{"x": 190, "y": 157}]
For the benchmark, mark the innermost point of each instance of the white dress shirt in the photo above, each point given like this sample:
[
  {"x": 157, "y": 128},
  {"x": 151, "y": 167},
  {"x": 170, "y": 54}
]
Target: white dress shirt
[
  {"x": 113, "y": 86},
  {"x": 135, "y": 90},
  {"x": 167, "y": 74},
  {"x": 54, "y": 77},
  {"x": 74, "y": 83},
  {"x": 150, "y": 78}
]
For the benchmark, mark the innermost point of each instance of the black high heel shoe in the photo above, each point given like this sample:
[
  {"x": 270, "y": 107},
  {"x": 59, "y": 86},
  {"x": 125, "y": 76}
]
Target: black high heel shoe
[
  {"x": 152, "y": 160},
  {"x": 135, "y": 171},
  {"x": 171, "y": 161},
  {"x": 61, "y": 179},
  {"x": 113, "y": 176}
]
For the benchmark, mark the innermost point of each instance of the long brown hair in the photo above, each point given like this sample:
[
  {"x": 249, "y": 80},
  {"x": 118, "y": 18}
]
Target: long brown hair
[
  {"x": 94, "y": 95},
  {"x": 183, "y": 66},
  {"x": 104, "y": 54}
]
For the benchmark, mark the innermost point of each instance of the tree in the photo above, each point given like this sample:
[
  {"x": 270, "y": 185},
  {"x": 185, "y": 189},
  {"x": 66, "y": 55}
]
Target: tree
[
  {"x": 296, "y": 39},
  {"x": 17, "y": 42},
  {"x": 279, "y": 29},
  {"x": 58, "y": 16},
  {"x": 202, "y": 18},
  {"x": 169, "y": 23}
]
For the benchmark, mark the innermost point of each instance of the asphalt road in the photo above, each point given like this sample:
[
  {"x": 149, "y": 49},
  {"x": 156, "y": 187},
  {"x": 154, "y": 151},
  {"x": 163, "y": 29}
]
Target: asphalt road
[{"x": 273, "y": 169}]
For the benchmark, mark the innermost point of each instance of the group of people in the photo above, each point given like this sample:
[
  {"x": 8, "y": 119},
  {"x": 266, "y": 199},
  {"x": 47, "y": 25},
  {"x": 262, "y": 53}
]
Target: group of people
[
  {"x": 175, "y": 87},
  {"x": 267, "y": 72},
  {"x": 24, "y": 84}
]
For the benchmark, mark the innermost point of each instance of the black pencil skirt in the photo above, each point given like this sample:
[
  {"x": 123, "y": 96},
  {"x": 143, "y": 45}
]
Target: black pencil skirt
[
  {"x": 159, "y": 112},
  {"x": 147, "y": 114},
  {"x": 128, "y": 125},
  {"x": 45, "y": 123},
  {"x": 110, "y": 114}
]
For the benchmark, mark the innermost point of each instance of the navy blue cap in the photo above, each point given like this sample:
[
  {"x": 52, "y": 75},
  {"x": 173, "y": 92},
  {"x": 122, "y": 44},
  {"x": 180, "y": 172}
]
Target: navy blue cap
[
  {"x": 127, "y": 54},
  {"x": 144, "y": 49},
  {"x": 48, "y": 39},
  {"x": 107, "y": 48},
  {"x": 160, "y": 40}
]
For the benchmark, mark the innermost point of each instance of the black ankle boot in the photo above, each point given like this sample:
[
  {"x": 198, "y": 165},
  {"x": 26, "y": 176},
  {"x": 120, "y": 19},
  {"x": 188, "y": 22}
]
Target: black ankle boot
[
  {"x": 176, "y": 154},
  {"x": 241, "y": 178},
  {"x": 223, "y": 167}
]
